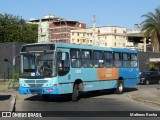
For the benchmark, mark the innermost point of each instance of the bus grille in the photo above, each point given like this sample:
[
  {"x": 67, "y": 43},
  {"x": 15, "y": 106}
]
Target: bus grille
[
  {"x": 35, "y": 85},
  {"x": 36, "y": 81},
  {"x": 29, "y": 81}
]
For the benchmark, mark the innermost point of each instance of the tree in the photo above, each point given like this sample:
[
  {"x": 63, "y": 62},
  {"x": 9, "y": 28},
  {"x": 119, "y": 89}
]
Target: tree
[
  {"x": 151, "y": 28},
  {"x": 15, "y": 29}
]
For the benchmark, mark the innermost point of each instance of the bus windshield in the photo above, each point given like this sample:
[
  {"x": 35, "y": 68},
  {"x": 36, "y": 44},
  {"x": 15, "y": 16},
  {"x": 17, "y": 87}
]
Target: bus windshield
[{"x": 38, "y": 64}]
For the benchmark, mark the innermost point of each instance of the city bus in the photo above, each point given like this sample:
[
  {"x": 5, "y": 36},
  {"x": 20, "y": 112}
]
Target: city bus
[{"x": 61, "y": 68}]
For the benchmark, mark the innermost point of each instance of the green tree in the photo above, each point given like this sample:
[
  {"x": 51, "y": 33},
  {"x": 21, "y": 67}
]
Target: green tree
[
  {"x": 15, "y": 29},
  {"x": 151, "y": 28}
]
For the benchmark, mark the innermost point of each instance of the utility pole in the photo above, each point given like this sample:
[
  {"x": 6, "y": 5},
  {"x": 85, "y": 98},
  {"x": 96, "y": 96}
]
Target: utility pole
[{"x": 94, "y": 26}]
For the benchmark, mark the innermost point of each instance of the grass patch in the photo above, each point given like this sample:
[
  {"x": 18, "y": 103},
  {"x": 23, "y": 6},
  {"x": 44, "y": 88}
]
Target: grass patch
[
  {"x": 13, "y": 85},
  {"x": 2, "y": 83}
]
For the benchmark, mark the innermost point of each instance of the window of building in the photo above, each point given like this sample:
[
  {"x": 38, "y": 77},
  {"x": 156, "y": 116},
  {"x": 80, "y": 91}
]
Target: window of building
[
  {"x": 63, "y": 29},
  {"x": 123, "y": 44},
  {"x": 115, "y": 30},
  {"x": 124, "y": 32},
  {"x": 115, "y": 37}
]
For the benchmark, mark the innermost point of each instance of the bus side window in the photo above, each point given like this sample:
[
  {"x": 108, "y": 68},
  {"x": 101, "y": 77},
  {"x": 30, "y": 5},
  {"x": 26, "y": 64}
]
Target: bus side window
[
  {"x": 86, "y": 58},
  {"x": 75, "y": 55},
  {"x": 108, "y": 59},
  {"x": 117, "y": 60},
  {"x": 98, "y": 59},
  {"x": 134, "y": 62},
  {"x": 63, "y": 63},
  {"x": 126, "y": 58}
]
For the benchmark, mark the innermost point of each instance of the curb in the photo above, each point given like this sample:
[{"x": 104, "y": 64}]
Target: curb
[
  {"x": 12, "y": 104},
  {"x": 142, "y": 100},
  {"x": 12, "y": 101}
]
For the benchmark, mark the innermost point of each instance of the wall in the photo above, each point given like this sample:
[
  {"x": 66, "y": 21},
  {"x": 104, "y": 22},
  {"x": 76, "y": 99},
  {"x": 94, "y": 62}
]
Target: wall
[
  {"x": 144, "y": 59},
  {"x": 8, "y": 51}
]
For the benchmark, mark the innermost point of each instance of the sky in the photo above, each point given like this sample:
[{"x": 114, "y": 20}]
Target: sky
[{"x": 123, "y": 13}]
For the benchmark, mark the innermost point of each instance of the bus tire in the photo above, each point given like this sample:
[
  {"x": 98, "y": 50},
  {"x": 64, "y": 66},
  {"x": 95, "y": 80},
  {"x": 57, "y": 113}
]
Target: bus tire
[
  {"x": 45, "y": 97},
  {"x": 120, "y": 87},
  {"x": 75, "y": 94}
]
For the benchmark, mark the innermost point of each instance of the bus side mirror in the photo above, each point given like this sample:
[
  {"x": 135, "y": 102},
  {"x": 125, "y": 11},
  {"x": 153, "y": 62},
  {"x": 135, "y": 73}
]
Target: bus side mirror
[{"x": 63, "y": 56}]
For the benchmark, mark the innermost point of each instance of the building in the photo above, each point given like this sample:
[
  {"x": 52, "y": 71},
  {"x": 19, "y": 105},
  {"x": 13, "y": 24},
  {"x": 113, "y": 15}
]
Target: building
[
  {"x": 82, "y": 36},
  {"x": 43, "y": 27},
  {"x": 107, "y": 36},
  {"x": 136, "y": 40},
  {"x": 54, "y": 29}
]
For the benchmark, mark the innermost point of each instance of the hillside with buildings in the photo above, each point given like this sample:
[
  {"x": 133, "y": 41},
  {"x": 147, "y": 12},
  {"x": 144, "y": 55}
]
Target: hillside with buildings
[{"x": 56, "y": 29}]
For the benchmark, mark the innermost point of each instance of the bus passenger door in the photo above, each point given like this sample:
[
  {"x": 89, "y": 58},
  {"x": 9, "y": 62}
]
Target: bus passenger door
[{"x": 63, "y": 65}]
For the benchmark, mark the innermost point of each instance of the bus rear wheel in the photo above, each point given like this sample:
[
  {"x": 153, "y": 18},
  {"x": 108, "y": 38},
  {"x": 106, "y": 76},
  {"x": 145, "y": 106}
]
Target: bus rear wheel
[
  {"x": 75, "y": 94},
  {"x": 120, "y": 87}
]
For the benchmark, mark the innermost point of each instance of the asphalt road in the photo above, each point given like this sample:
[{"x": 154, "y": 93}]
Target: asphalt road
[{"x": 102, "y": 101}]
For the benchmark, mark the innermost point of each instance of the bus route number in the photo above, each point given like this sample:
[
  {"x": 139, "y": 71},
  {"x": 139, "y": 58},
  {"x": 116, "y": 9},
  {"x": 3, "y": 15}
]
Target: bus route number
[{"x": 78, "y": 71}]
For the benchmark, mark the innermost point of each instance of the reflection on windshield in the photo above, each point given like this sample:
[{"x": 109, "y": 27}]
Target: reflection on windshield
[{"x": 40, "y": 64}]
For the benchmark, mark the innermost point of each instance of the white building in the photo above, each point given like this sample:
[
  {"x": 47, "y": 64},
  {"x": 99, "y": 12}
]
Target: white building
[
  {"x": 109, "y": 36},
  {"x": 43, "y": 27}
]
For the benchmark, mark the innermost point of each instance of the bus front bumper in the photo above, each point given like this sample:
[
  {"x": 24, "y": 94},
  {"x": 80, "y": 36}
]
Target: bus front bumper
[{"x": 48, "y": 90}]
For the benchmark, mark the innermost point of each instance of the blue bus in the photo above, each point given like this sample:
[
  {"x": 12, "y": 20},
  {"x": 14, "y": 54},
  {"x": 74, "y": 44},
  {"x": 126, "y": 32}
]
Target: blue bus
[{"x": 61, "y": 68}]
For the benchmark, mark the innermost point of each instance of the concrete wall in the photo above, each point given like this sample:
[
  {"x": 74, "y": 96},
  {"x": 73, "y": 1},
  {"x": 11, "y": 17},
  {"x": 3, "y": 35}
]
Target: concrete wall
[
  {"x": 144, "y": 59},
  {"x": 8, "y": 51}
]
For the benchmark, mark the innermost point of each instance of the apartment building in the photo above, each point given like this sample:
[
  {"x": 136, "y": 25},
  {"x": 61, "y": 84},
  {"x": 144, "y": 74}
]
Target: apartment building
[
  {"x": 107, "y": 36},
  {"x": 55, "y": 29}
]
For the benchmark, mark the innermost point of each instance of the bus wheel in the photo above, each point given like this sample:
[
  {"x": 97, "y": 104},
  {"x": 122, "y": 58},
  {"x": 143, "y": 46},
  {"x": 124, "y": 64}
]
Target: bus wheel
[
  {"x": 120, "y": 87},
  {"x": 45, "y": 97},
  {"x": 75, "y": 94}
]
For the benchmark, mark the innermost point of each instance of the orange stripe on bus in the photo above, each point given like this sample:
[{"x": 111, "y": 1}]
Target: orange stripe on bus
[{"x": 107, "y": 73}]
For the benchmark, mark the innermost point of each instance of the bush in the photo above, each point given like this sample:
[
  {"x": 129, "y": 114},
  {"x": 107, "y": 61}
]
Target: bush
[{"x": 16, "y": 76}]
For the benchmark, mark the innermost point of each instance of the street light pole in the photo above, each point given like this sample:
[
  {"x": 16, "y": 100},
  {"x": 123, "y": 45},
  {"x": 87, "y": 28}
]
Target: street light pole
[{"x": 94, "y": 26}]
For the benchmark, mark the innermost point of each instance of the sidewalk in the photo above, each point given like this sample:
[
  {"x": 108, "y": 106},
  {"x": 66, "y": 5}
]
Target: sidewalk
[
  {"x": 7, "y": 97},
  {"x": 146, "y": 96}
]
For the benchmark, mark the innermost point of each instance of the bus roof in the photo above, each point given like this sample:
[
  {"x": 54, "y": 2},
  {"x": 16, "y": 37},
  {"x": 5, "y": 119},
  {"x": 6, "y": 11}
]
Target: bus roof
[{"x": 66, "y": 45}]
